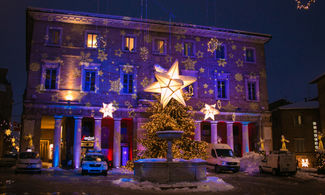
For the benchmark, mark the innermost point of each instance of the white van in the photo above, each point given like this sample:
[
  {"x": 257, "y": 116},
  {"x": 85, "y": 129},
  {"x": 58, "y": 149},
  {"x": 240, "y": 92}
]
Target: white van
[
  {"x": 222, "y": 158},
  {"x": 279, "y": 162}
]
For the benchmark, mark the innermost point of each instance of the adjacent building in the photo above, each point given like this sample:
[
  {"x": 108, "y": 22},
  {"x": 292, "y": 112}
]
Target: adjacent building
[
  {"x": 77, "y": 61},
  {"x": 299, "y": 123},
  {"x": 5, "y": 106},
  {"x": 320, "y": 81}
]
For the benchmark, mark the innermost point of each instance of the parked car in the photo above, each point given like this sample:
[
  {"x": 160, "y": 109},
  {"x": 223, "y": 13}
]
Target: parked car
[
  {"x": 28, "y": 162},
  {"x": 8, "y": 160},
  {"x": 95, "y": 163},
  {"x": 222, "y": 158},
  {"x": 279, "y": 162}
]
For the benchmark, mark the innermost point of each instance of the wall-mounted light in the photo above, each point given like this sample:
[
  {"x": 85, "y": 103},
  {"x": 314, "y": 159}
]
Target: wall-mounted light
[{"x": 304, "y": 163}]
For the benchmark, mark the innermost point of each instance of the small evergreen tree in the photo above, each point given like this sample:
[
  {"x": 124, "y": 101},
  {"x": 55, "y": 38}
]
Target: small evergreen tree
[{"x": 174, "y": 116}]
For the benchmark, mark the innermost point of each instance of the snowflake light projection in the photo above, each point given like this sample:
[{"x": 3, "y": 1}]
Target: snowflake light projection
[
  {"x": 209, "y": 111},
  {"x": 170, "y": 84},
  {"x": 213, "y": 45},
  {"x": 107, "y": 110}
]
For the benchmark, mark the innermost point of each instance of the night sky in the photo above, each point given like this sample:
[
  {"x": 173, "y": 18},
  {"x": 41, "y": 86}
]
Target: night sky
[{"x": 293, "y": 56}]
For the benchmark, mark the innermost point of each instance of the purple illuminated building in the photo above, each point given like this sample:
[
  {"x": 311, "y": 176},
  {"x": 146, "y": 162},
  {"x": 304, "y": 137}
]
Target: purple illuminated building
[{"x": 77, "y": 61}]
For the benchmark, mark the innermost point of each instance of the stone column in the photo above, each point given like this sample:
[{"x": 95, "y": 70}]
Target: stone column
[
  {"x": 57, "y": 141},
  {"x": 77, "y": 141},
  {"x": 214, "y": 132},
  {"x": 197, "y": 131},
  {"x": 98, "y": 134},
  {"x": 117, "y": 143},
  {"x": 230, "y": 135},
  {"x": 245, "y": 137}
]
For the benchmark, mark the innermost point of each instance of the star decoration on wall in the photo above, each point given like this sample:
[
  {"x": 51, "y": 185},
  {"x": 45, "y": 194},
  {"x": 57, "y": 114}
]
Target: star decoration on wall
[
  {"x": 239, "y": 88},
  {"x": 107, "y": 110},
  {"x": 118, "y": 53},
  {"x": 205, "y": 85},
  {"x": 189, "y": 64},
  {"x": 201, "y": 70},
  {"x": 128, "y": 68},
  {"x": 239, "y": 63},
  {"x": 168, "y": 58},
  {"x": 209, "y": 111},
  {"x": 179, "y": 47},
  {"x": 238, "y": 77},
  {"x": 34, "y": 66},
  {"x": 219, "y": 104},
  {"x": 102, "y": 56},
  {"x": 116, "y": 86},
  {"x": 222, "y": 62},
  {"x": 170, "y": 84},
  {"x": 199, "y": 54}
]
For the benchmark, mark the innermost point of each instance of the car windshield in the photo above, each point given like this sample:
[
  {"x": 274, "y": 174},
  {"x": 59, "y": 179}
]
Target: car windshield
[
  {"x": 94, "y": 158},
  {"x": 26, "y": 155},
  {"x": 224, "y": 153}
]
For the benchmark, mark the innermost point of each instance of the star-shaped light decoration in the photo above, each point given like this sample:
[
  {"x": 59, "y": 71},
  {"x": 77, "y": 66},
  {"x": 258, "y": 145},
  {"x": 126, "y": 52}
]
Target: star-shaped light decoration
[
  {"x": 170, "y": 84},
  {"x": 107, "y": 110},
  {"x": 209, "y": 111}
]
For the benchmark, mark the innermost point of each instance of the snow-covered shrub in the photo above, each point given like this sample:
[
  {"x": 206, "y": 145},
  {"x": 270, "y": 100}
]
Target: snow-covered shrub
[{"x": 250, "y": 162}]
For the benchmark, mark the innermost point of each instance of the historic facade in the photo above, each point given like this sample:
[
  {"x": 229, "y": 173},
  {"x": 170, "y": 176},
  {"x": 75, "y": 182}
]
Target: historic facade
[
  {"x": 299, "y": 123},
  {"x": 77, "y": 61}
]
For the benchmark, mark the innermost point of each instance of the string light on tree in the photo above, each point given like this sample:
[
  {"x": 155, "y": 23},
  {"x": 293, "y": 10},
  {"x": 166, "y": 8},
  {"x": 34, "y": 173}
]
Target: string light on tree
[
  {"x": 8, "y": 132},
  {"x": 170, "y": 84},
  {"x": 107, "y": 110},
  {"x": 306, "y": 6},
  {"x": 209, "y": 111}
]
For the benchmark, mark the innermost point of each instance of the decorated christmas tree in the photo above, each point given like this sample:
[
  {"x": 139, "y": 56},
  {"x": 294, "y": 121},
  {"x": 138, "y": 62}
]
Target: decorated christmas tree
[{"x": 174, "y": 116}]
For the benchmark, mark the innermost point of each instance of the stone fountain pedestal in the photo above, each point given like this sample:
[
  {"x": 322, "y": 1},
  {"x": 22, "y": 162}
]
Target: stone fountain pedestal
[{"x": 169, "y": 170}]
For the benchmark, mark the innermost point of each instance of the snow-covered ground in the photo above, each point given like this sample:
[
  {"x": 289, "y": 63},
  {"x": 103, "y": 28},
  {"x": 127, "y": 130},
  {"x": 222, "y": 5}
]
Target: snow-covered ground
[
  {"x": 309, "y": 174},
  {"x": 120, "y": 171},
  {"x": 211, "y": 184},
  {"x": 250, "y": 162}
]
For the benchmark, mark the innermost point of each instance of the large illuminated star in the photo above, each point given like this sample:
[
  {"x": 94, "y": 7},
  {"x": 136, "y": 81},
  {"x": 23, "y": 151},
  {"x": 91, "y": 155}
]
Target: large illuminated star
[
  {"x": 209, "y": 111},
  {"x": 107, "y": 110},
  {"x": 170, "y": 84}
]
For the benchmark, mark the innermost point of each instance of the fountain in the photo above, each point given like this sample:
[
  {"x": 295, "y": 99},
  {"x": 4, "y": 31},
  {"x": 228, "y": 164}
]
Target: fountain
[{"x": 169, "y": 170}]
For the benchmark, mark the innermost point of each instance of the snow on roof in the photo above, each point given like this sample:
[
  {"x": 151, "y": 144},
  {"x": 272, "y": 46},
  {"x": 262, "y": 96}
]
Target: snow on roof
[
  {"x": 301, "y": 105},
  {"x": 317, "y": 78}
]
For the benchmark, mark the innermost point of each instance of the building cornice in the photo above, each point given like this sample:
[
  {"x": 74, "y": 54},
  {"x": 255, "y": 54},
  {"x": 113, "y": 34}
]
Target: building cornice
[{"x": 144, "y": 24}]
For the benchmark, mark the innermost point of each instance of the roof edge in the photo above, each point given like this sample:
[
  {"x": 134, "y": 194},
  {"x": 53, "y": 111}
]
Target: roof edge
[{"x": 261, "y": 36}]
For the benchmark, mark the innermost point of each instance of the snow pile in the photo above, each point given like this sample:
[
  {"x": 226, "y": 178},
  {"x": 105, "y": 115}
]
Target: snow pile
[
  {"x": 250, "y": 163},
  {"x": 211, "y": 184},
  {"x": 120, "y": 171}
]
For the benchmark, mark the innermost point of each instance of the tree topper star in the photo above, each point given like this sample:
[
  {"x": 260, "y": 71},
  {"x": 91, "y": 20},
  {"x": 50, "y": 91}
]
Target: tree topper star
[
  {"x": 209, "y": 111},
  {"x": 170, "y": 84},
  {"x": 107, "y": 110}
]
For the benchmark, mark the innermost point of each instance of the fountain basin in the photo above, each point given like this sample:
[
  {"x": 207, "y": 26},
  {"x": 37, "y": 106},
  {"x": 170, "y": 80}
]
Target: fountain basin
[{"x": 163, "y": 171}]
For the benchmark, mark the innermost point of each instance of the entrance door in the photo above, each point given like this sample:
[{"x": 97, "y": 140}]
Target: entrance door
[
  {"x": 238, "y": 139},
  {"x": 206, "y": 131},
  {"x": 44, "y": 150},
  {"x": 124, "y": 155}
]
